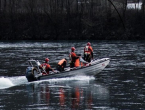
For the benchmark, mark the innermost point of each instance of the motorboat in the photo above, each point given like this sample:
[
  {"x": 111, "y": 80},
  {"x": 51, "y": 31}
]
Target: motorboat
[{"x": 34, "y": 73}]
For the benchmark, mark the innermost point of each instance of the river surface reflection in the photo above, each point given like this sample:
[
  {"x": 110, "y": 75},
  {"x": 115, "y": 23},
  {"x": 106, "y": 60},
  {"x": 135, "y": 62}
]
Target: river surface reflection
[
  {"x": 70, "y": 93},
  {"x": 120, "y": 86}
]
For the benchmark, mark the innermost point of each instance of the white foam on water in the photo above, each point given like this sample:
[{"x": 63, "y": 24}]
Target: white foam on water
[
  {"x": 18, "y": 80},
  {"x": 7, "y": 82},
  {"x": 54, "y": 80},
  {"x": 77, "y": 78}
]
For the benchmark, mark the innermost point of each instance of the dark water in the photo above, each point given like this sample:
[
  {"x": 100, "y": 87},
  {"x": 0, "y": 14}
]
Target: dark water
[{"x": 120, "y": 86}]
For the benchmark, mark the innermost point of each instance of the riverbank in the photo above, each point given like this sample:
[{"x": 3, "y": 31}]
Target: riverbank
[{"x": 73, "y": 27}]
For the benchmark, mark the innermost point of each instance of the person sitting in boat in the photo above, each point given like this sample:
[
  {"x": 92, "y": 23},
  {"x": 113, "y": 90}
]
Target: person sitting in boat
[
  {"x": 75, "y": 62},
  {"x": 45, "y": 67},
  {"x": 61, "y": 64},
  {"x": 88, "y": 52}
]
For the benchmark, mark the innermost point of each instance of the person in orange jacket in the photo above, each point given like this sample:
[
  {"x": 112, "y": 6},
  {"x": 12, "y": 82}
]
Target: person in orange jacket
[
  {"x": 88, "y": 52},
  {"x": 45, "y": 67},
  {"x": 61, "y": 64},
  {"x": 74, "y": 59}
]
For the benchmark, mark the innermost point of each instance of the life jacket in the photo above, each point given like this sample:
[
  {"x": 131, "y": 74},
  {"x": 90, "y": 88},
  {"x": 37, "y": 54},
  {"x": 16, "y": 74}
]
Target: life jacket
[
  {"x": 61, "y": 62},
  {"x": 74, "y": 60},
  {"x": 88, "y": 50},
  {"x": 77, "y": 62},
  {"x": 72, "y": 56},
  {"x": 45, "y": 67}
]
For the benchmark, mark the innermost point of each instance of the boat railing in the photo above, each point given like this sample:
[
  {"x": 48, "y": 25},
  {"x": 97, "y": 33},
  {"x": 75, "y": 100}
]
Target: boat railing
[{"x": 35, "y": 64}]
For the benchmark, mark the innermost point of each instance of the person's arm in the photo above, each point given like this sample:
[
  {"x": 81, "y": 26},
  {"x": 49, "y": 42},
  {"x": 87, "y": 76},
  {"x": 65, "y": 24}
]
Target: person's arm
[
  {"x": 82, "y": 60},
  {"x": 49, "y": 68},
  {"x": 75, "y": 56},
  {"x": 91, "y": 52},
  {"x": 91, "y": 49}
]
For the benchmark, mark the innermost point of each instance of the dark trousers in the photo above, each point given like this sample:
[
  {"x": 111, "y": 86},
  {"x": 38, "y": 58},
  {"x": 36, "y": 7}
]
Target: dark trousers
[
  {"x": 72, "y": 64},
  {"x": 60, "y": 68},
  {"x": 87, "y": 57}
]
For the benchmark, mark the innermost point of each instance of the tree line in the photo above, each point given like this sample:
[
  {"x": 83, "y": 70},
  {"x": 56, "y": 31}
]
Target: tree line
[{"x": 70, "y": 20}]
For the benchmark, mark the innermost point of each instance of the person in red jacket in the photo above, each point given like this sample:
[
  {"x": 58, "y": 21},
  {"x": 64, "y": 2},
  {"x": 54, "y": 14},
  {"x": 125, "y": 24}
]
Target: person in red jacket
[
  {"x": 61, "y": 64},
  {"x": 74, "y": 59},
  {"x": 45, "y": 67},
  {"x": 88, "y": 52}
]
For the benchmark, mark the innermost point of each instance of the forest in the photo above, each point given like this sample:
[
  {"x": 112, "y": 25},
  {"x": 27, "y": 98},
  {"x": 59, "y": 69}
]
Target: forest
[{"x": 72, "y": 20}]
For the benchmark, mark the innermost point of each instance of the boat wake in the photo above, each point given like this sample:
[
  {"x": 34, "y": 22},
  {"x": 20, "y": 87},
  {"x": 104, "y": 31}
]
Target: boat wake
[
  {"x": 60, "y": 80},
  {"x": 7, "y": 82},
  {"x": 78, "y": 78}
]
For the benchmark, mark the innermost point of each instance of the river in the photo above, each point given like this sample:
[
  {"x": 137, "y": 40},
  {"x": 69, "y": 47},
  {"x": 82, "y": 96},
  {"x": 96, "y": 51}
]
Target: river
[{"x": 120, "y": 86}]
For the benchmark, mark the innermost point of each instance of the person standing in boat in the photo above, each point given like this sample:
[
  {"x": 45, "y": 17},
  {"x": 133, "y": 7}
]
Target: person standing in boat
[
  {"x": 75, "y": 62},
  {"x": 61, "y": 64},
  {"x": 88, "y": 52},
  {"x": 45, "y": 67}
]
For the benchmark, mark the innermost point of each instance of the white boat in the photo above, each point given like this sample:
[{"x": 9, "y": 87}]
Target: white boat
[{"x": 33, "y": 73}]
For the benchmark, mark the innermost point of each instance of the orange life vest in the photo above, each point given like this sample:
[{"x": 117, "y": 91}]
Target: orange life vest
[
  {"x": 77, "y": 62},
  {"x": 61, "y": 61},
  {"x": 74, "y": 60},
  {"x": 45, "y": 67},
  {"x": 72, "y": 56},
  {"x": 88, "y": 50}
]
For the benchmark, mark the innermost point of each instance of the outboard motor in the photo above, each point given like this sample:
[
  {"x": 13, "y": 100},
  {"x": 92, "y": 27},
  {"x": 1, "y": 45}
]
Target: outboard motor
[
  {"x": 32, "y": 71},
  {"x": 30, "y": 74}
]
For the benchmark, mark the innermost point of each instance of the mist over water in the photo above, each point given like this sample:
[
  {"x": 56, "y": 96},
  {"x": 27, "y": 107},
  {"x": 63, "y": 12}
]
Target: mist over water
[{"x": 119, "y": 86}]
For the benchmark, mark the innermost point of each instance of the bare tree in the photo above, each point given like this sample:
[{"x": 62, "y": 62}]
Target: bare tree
[
  {"x": 118, "y": 14},
  {"x": 0, "y": 6},
  {"x": 124, "y": 7},
  {"x": 5, "y": 5},
  {"x": 30, "y": 4},
  {"x": 91, "y": 8},
  {"x": 143, "y": 5}
]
